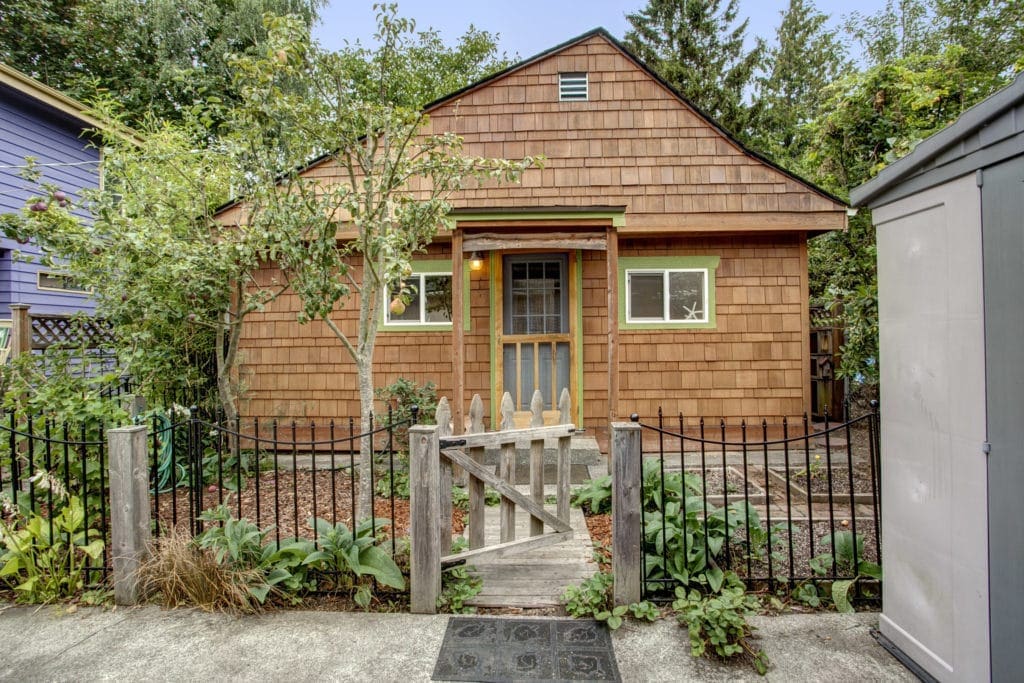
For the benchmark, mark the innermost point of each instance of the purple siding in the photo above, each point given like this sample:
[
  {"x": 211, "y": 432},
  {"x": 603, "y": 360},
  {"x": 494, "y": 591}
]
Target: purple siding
[{"x": 30, "y": 128}]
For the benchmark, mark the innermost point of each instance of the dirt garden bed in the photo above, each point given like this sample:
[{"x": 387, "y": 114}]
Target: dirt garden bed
[{"x": 288, "y": 500}]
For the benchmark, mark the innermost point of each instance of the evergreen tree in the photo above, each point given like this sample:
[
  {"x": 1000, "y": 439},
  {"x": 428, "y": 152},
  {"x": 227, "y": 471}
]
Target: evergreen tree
[
  {"x": 697, "y": 47},
  {"x": 807, "y": 57}
]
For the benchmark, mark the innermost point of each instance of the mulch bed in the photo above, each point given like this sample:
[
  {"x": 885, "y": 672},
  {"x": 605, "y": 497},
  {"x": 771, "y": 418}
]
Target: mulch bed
[{"x": 287, "y": 500}]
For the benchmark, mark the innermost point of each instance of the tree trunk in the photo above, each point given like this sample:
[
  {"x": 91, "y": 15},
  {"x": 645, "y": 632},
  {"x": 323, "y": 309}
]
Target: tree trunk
[
  {"x": 225, "y": 388},
  {"x": 364, "y": 509}
]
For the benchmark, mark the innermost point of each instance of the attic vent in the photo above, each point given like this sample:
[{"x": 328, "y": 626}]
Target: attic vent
[{"x": 572, "y": 86}]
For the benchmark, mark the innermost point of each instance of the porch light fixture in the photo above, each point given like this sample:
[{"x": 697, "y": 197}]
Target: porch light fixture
[{"x": 476, "y": 262}]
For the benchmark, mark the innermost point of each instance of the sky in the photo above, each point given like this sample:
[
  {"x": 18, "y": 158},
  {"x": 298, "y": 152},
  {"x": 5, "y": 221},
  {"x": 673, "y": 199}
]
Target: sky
[{"x": 528, "y": 27}]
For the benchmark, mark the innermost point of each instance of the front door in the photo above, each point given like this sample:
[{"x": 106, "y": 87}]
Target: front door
[{"x": 535, "y": 333}]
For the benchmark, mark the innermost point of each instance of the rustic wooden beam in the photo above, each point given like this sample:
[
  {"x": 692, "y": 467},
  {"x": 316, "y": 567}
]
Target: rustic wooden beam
[
  {"x": 424, "y": 503},
  {"x": 458, "y": 334},
  {"x": 507, "y": 490},
  {"x": 497, "y": 439},
  {"x": 501, "y": 549},
  {"x": 555, "y": 240},
  {"x": 612, "y": 275},
  {"x": 627, "y": 499},
  {"x": 509, "y": 224}
]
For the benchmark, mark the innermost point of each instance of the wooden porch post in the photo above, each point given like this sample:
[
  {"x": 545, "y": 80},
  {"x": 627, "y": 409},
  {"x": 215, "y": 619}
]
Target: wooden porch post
[
  {"x": 612, "y": 262},
  {"x": 458, "y": 335}
]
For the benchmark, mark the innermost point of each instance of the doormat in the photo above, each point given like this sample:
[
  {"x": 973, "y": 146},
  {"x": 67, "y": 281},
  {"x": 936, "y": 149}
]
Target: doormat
[{"x": 494, "y": 650}]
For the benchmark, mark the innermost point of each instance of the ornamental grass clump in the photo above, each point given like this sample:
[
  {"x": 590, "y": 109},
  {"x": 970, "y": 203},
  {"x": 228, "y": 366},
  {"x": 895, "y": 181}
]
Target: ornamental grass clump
[{"x": 178, "y": 573}]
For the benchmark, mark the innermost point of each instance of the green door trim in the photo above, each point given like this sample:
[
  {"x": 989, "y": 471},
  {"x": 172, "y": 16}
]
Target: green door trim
[{"x": 577, "y": 281}]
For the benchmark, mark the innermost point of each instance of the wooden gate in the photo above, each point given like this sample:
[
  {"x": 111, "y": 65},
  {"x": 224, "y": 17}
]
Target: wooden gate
[{"x": 435, "y": 457}]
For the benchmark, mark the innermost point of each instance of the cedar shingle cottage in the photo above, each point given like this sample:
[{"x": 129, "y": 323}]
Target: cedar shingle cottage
[{"x": 653, "y": 261}]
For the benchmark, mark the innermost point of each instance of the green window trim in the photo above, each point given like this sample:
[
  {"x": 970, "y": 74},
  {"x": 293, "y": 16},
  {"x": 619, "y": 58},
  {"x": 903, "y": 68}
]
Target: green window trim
[
  {"x": 442, "y": 266},
  {"x": 655, "y": 263}
]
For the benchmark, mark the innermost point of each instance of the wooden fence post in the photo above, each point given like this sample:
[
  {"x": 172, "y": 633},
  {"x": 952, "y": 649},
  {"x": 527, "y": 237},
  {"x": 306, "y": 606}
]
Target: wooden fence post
[
  {"x": 424, "y": 509},
  {"x": 536, "y": 461},
  {"x": 21, "y": 330},
  {"x": 507, "y": 473},
  {"x": 129, "y": 510},
  {"x": 444, "y": 487},
  {"x": 564, "y": 458},
  {"x": 477, "y": 492},
  {"x": 626, "y": 502}
]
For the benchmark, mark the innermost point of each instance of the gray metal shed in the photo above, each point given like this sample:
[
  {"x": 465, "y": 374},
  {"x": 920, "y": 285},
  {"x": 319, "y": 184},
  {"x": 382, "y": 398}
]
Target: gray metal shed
[{"x": 950, "y": 229}]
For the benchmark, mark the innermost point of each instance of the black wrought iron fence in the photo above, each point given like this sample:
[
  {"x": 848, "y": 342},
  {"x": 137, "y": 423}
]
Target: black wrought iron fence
[
  {"x": 53, "y": 486},
  {"x": 284, "y": 474},
  {"x": 781, "y": 504}
]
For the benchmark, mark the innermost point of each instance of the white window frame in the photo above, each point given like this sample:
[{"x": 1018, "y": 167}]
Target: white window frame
[
  {"x": 421, "y": 275},
  {"x": 575, "y": 94},
  {"x": 664, "y": 272},
  {"x": 57, "y": 274}
]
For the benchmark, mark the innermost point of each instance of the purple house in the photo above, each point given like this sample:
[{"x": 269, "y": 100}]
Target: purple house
[{"x": 37, "y": 121}]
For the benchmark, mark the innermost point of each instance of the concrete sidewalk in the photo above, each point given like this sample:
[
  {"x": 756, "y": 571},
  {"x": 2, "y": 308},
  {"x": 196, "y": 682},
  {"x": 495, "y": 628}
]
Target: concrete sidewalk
[{"x": 150, "y": 644}]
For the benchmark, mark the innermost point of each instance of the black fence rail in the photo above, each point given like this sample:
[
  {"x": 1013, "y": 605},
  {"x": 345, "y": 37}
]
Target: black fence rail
[
  {"x": 58, "y": 473},
  {"x": 790, "y": 504},
  {"x": 276, "y": 473}
]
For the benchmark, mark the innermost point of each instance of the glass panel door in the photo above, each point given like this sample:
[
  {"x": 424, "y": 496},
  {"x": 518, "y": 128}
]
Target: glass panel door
[{"x": 536, "y": 341}]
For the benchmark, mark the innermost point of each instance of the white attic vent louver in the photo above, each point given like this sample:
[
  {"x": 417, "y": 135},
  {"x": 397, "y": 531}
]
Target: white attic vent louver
[{"x": 572, "y": 86}]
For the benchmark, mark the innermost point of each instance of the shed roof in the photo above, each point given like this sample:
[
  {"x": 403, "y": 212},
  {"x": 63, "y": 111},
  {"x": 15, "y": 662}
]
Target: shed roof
[{"x": 985, "y": 134}]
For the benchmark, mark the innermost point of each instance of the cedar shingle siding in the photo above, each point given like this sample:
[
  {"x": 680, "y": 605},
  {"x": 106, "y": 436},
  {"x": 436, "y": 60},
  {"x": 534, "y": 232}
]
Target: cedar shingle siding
[{"x": 684, "y": 188}]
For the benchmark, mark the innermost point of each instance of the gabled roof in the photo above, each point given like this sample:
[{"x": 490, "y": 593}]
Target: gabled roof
[
  {"x": 603, "y": 33},
  {"x": 30, "y": 87},
  {"x": 987, "y": 133}
]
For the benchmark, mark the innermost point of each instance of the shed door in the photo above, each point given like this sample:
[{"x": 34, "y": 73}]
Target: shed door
[
  {"x": 535, "y": 337},
  {"x": 1002, "y": 197}
]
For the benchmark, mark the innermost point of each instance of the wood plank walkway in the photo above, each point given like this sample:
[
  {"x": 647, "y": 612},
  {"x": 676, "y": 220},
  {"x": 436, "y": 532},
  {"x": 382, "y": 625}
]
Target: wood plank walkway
[{"x": 535, "y": 578}]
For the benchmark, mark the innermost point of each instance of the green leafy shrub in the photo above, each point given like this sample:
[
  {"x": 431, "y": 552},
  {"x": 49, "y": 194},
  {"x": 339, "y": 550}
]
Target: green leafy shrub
[
  {"x": 401, "y": 395},
  {"x": 595, "y": 496},
  {"x": 399, "y": 479},
  {"x": 45, "y": 560},
  {"x": 355, "y": 554},
  {"x": 717, "y": 623},
  {"x": 594, "y": 598},
  {"x": 233, "y": 565},
  {"x": 60, "y": 386},
  {"x": 844, "y": 544},
  {"x": 458, "y": 585},
  {"x": 241, "y": 545}
]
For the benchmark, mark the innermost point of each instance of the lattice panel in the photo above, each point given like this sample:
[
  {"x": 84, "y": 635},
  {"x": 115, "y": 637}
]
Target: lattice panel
[{"x": 48, "y": 330}]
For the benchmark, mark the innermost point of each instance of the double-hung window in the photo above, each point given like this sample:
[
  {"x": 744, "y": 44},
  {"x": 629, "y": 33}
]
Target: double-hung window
[{"x": 667, "y": 292}]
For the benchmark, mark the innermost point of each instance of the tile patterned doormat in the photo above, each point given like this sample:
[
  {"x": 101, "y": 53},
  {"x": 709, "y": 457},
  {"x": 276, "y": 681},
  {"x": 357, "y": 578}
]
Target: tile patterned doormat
[{"x": 494, "y": 650}]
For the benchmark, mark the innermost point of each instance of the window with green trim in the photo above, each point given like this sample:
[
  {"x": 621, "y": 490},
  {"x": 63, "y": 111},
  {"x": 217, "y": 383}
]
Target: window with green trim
[
  {"x": 667, "y": 292},
  {"x": 421, "y": 299},
  {"x": 664, "y": 295}
]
